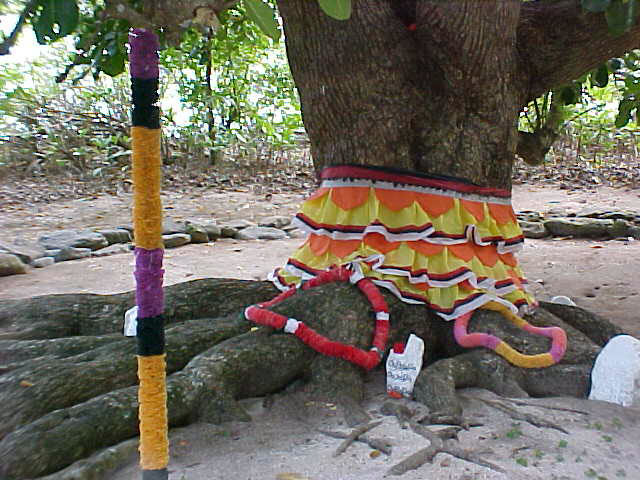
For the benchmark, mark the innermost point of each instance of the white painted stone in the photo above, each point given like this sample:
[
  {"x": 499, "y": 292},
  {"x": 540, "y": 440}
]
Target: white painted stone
[
  {"x": 562, "y": 300},
  {"x": 615, "y": 376}
]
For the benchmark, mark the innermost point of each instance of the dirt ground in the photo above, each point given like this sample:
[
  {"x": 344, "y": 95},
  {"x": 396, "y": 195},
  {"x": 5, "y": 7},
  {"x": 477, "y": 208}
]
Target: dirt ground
[{"x": 283, "y": 443}]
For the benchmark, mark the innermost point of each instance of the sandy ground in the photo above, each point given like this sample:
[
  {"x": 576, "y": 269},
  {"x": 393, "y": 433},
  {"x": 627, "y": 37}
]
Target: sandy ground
[{"x": 602, "y": 440}]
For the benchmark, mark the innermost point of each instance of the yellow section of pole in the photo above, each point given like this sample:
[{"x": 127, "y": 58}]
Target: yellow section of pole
[
  {"x": 147, "y": 177},
  {"x": 152, "y": 395}
]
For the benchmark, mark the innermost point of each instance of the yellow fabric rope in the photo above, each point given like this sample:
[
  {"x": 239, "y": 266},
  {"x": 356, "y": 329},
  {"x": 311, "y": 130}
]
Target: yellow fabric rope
[
  {"x": 152, "y": 393},
  {"x": 147, "y": 176}
]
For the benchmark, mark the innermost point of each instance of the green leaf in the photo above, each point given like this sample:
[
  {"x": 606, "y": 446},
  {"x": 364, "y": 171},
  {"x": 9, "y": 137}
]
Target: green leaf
[
  {"x": 600, "y": 77},
  {"x": 56, "y": 19},
  {"x": 113, "y": 65},
  {"x": 264, "y": 16},
  {"x": 621, "y": 16},
  {"x": 595, "y": 5},
  {"x": 615, "y": 64},
  {"x": 338, "y": 9},
  {"x": 66, "y": 15},
  {"x": 570, "y": 95},
  {"x": 625, "y": 108}
]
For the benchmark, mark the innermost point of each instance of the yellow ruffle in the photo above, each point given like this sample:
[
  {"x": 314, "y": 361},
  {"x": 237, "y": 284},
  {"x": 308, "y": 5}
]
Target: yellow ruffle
[
  {"x": 452, "y": 252},
  {"x": 448, "y": 215}
]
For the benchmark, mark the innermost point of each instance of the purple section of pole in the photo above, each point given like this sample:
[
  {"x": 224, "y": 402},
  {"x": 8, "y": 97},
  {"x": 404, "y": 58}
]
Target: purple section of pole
[
  {"x": 144, "y": 54},
  {"x": 149, "y": 274}
]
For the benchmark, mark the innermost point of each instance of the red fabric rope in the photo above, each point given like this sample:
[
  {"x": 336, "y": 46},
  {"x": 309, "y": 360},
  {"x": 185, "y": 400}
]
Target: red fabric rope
[{"x": 321, "y": 344}]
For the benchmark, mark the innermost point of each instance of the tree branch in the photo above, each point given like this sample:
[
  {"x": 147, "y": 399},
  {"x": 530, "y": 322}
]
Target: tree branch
[
  {"x": 559, "y": 42},
  {"x": 10, "y": 41}
]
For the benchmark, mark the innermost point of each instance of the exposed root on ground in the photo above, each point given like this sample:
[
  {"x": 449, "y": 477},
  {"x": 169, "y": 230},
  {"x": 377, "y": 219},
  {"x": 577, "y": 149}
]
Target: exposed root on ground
[{"x": 68, "y": 379}]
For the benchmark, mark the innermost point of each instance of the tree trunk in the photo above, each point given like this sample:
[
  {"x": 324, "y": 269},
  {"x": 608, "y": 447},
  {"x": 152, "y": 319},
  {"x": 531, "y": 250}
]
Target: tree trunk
[{"x": 440, "y": 100}]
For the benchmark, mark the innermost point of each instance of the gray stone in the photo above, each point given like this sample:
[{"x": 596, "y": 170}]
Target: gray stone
[
  {"x": 615, "y": 376},
  {"x": 72, "y": 253},
  {"x": 276, "y": 221},
  {"x": 608, "y": 214},
  {"x": 73, "y": 238},
  {"x": 529, "y": 216},
  {"x": 620, "y": 228},
  {"x": 239, "y": 224},
  {"x": 580, "y": 227},
  {"x": 213, "y": 230},
  {"x": 170, "y": 226},
  {"x": 634, "y": 232},
  {"x": 51, "y": 253},
  {"x": 296, "y": 233},
  {"x": 197, "y": 232},
  {"x": 27, "y": 253},
  {"x": 533, "y": 229},
  {"x": 563, "y": 300},
  {"x": 559, "y": 212},
  {"x": 176, "y": 240},
  {"x": 43, "y": 262},
  {"x": 228, "y": 232},
  {"x": 11, "y": 265},
  {"x": 112, "y": 250},
  {"x": 260, "y": 233},
  {"x": 116, "y": 235}
]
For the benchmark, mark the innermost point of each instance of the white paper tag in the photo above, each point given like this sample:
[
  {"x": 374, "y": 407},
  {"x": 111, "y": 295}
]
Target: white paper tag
[
  {"x": 403, "y": 368},
  {"x": 131, "y": 322}
]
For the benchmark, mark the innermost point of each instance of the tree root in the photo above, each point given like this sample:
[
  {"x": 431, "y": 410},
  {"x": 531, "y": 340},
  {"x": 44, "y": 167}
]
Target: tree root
[
  {"x": 60, "y": 383},
  {"x": 352, "y": 437},
  {"x": 438, "y": 444},
  {"x": 87, "y": 382},
  {"x": 98, "y": 465},
  {"x": 56, "y": 316},
  {"x": 521, "y": 416},
  {"x": 244, "y": 366},
  {"x": 380, "y": 444}
]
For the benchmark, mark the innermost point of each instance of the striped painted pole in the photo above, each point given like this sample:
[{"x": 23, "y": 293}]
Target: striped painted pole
[{"x": 147, "y": 225}]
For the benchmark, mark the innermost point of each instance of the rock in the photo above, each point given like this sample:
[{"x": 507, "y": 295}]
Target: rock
[
  {"x": 634, "y": 232},
  {"x": 607, "y": 214},
  {"x": 72, "y": 253},
  {"x": 529, "y": 216},
  {"x": 260, "y": 233},
  {"x": 11, "y": 265},
  {"x": 197, "y": 232},
  {"x": 585, "y": 227},
  {"x": 170, "y": 226},
  {"x": 111, "y": 250},
  {"x": 615, "y": 376},
  {"x": 116, "y": 235},
  {"x": 296, "y": 233},
  {"x": 73, "y": 238},
  {"x": 276, "y": 221},
  {"x": 51, "y": 253},
  {"x": 239, "y": 224},
  {"x": 213, "y": 230},
  {"x": 128, "y": 228},
  {"x": 562, "y": 300},
  {"x": 559, "y": 212},
  {"x": 228, "y": 232},
  {"x": 43, "y": 262},
  {"x": 533, "y": 229},
  {"x": 27, "y": 253},
  {"x": 176, "y": 240}
]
